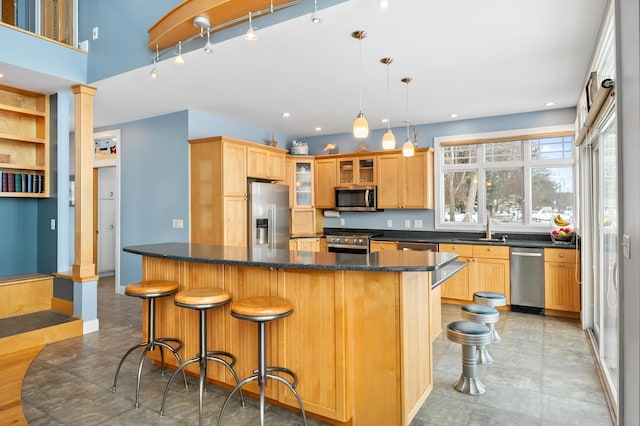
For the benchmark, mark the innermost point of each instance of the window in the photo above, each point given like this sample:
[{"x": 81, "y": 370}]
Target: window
[{"x": 520, "y": 178}]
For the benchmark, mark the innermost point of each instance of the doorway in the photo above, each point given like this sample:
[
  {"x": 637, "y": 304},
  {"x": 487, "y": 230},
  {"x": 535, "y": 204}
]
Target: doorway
[{"x": 106, "y": 221}]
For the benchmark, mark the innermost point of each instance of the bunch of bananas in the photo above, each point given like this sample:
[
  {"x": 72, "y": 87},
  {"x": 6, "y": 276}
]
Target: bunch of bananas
[{"x": 559, "y": 221}]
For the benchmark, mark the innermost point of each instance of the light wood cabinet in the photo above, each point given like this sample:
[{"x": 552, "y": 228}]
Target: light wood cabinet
[
  {"x": 382, "y": 245},
  {"x": 305, "y": 218},
  {"x": 266, "y": 163},
  {"x": 405, "y": 182},
  {"x": 325, "y": 183},
  {"x": 487, "y": 270},
  {"x": 561, "y": 280},
  {"x": 24, "y": 143},
  {"x": 307, "y": 244},
  {"x": 218, "y": 191},
  {"x": 358, "y": 170}
]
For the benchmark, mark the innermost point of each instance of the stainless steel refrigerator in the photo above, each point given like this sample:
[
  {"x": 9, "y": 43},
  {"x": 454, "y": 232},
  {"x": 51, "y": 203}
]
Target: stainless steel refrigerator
[{"x": 268, "y": 215}]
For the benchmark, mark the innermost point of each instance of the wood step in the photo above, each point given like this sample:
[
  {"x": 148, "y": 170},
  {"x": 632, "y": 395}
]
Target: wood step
[
  {"x": 13, "y": 368},
  {"x": 26, "y": 331},
  {"x": 22, "y": 294}
]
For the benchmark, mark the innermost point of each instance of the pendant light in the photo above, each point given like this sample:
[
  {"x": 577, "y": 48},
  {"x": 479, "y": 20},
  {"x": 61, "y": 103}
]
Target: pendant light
[
  {"x": 154, "y": 72},
  {"x": 314, "y": 15},
  {"x": 250, "y": 34},
  {"x": 407, "y": 147},
  {"x": 388, "y": 140},
  {"x": 208, "y": 47},
  {"x": 179, "y": 59},
  {"x": 360, "y": 126}
]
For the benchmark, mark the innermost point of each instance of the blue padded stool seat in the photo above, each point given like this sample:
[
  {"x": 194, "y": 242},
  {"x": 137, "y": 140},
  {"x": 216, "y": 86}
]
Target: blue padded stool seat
[
  {"x": 485, "y": 315},
  {"x": 490, "y": 298},
  {"x": 470, "y": 335}
]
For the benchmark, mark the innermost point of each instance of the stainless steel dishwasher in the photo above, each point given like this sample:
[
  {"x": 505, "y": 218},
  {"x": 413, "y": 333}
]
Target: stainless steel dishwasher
[{"x": 527, "y": 280}]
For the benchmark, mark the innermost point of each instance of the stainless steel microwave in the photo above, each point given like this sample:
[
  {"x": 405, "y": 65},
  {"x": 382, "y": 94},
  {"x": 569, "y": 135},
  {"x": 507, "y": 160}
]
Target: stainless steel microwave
[{"x": 356, "y": 198}]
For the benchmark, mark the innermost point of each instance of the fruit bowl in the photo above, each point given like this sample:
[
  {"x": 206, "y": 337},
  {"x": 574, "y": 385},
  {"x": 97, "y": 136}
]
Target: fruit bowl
[{"x": 562, "y": 229}]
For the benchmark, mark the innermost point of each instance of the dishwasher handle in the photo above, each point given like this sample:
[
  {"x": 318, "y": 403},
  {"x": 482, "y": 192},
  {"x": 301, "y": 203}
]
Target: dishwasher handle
[{"x": 525, "y": 253}]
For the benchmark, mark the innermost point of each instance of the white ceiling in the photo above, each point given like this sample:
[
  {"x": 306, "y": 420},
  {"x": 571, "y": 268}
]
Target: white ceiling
[{"x": 469, "y": 57}]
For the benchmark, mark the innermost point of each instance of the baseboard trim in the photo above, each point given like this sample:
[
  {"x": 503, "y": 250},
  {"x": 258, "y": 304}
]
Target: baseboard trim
[{"x": 90, "y": 326}]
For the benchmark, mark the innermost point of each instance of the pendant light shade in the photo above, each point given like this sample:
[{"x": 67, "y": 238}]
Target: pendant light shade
[
  {"x": 388, "y": 139},
  {"x": 179, "y": 59},
  {"x": 360, "y": 126},
  {"x": 250, "y": 34},
  {"x": 408, "y": 148}
]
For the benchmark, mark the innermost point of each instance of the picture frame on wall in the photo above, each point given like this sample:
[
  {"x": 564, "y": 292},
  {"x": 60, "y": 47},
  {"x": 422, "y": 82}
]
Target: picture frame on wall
[{"x": 106, "y": 147}]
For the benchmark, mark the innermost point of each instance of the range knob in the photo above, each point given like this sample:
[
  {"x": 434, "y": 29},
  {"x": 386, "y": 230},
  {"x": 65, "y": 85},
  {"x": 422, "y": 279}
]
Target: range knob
[{"x": 360, "y": 241}]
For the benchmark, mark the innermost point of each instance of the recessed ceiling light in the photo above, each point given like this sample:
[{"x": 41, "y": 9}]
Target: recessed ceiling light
[
  {"x": 383, "y": 120},
  {"x": 549, "y": 104},
  {"x": 286, "y": 114},
  {"x": 318, "y": 129},
  {"x": 1, "y": 75},
  {"x": 453, "y": 116},
  {"x": 383, "y": 4}
]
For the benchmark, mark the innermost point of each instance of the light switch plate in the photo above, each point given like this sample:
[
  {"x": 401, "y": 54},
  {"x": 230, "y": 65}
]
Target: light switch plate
[
  {"x": 177, "y": 223},
  {"x": 417, "y": 223},
  {"x": 407, "y": 223},
  {"x": 389, "y": 223},
  {"x": 95, "y": 33},
  {"x": 53, "y": 224},
  {"x": 341, "y": 221}
]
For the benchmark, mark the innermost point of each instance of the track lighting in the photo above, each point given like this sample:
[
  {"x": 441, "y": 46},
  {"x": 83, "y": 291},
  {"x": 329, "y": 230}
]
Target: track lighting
[
  {"x": 250, "y": 34},
  {"x": 388, "y": 140},
  {"x": 360, "y": 125},
  {"x": 156, "y": 58},
  {"x": 314, "y": 15},
  {"x": 179, "y": 59}
]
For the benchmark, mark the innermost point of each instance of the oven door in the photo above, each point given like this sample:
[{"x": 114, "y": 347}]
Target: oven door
[{"x": 348, "y": 249}]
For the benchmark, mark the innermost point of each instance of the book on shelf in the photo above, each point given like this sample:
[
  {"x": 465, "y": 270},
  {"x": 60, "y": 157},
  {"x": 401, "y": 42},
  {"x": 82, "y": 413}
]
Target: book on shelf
[
  {"x": 11, "y": 183},
  {"x": 5, "y": 182},
  {"x": 25, "y": 176},
  {"x": 29, "y": 183},
  {"x": 18, "y": 182}
]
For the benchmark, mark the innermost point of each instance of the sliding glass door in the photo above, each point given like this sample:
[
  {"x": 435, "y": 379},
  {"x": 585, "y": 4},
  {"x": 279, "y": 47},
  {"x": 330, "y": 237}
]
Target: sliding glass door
[{"x": 604, "y": 216}]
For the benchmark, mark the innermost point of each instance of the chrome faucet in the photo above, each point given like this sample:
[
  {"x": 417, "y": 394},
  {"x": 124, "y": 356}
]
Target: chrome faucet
[{"x": 488, "y": 233}]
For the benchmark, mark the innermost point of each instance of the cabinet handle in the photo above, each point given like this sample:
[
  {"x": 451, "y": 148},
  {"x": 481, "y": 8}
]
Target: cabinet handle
[
  {"x": 562, "y": 265},
  {"x": 561, "y": 255},
  {"x": 489, "y": 249}
]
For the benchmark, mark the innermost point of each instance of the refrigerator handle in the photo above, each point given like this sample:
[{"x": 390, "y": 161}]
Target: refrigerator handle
[{"x": 271, "y": 214}]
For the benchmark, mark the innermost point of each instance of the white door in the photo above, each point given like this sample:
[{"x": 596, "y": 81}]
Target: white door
[{"x": 106, "y": 220}]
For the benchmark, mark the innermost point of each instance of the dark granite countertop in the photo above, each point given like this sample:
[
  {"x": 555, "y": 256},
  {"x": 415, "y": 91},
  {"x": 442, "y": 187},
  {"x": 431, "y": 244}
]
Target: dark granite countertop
[
  {"x": 447, "y": 237},
  {"x": 385, "y": 261}
]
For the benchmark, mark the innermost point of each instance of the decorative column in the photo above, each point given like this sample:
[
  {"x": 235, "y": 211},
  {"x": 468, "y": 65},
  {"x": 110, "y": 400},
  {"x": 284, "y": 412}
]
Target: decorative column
[{"x": 83, "y": 272}]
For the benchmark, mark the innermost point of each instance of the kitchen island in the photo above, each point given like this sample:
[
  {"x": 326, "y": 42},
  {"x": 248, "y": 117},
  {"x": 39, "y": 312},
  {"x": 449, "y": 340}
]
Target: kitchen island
[{"x": 359, "y": 338}]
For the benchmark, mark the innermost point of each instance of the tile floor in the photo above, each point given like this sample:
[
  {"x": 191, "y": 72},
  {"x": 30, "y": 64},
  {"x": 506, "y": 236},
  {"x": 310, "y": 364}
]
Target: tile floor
[{"x": 543, "y": 375}]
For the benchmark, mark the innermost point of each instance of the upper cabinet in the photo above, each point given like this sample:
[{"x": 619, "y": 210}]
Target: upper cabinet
[
  {"x": 303, "y": 182},
  {"x": 24, "y": 143},
  {"x": 356, "y": 170},
  {"x": 405, "y": 182},
  {"x": 266, "y": 163},
  {"x": 325, "y": 182}
]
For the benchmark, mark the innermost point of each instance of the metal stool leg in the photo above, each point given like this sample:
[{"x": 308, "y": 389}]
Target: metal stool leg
[
  {"x": 149, "y": 346},
  {"x": 260, "y": 375},
  {"x": 494, "y": 333},
  {"x": 469, "y": 382},
  {"x": 202, "y": 358}
]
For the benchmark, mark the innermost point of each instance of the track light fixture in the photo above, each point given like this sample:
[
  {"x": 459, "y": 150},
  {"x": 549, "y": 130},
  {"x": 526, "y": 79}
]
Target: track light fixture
[
  {"x": 388, "y": 140},
  {"x": 360, "y": 125},
  {"x": 250, "y": 34},
  {"x": 179, "y": 59},
  {"x": 208, "y": 47},
  {"x": 314, "y": 15},
  {"x": 408, "y": 148},
  {"x": 156, "y": 58}
]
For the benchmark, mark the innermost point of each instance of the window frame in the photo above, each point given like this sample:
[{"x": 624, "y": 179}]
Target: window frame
[{"x": 526, "y": 164}]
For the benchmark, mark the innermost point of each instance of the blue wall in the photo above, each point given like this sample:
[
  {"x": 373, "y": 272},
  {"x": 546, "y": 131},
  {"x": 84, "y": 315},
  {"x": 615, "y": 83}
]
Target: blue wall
[
  {"x": 202, "y": 126},
  {"x": 346, "y": 143},
  {"x": 18, "y": 236},
  {"x": 154, "y": 186}
]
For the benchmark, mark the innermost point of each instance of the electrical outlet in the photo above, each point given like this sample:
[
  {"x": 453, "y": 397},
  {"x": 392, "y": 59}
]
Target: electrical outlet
[
  {"x": 95, "y": 33},
  {"x": 407, "y": 223},
  {"x": 177, "y": 223},
  {"x": 389, "y": 223},
  {"x": 341, "y": 221},
  {"x": 417, "y": 223}
]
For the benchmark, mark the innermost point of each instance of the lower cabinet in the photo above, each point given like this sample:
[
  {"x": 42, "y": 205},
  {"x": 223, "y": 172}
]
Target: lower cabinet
[
  {"x": 562, "y": 280},
  {"x": 382, "y": 245},
  {"x": 487, "y": 270},
  {"x": 308, "y": 244}
]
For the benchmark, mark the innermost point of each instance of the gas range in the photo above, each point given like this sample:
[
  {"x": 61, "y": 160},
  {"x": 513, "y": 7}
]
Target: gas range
[{"x": 349, "y": 242}]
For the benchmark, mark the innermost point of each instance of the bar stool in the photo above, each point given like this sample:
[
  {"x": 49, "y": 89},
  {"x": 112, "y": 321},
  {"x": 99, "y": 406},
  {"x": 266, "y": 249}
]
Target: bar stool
[
  {"x": 486, "y": 315},
  {"x": 203, "y": 299},
  {"x": 492, "y": 299},
  {"x": 262, "y": 310},
  {"x": 470, "y": 335},
  {"x": 150, "y": 291}
]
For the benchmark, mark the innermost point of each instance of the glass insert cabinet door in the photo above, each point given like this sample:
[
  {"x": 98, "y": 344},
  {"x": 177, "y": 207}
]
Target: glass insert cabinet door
[{"x": 303, "y": 184}]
